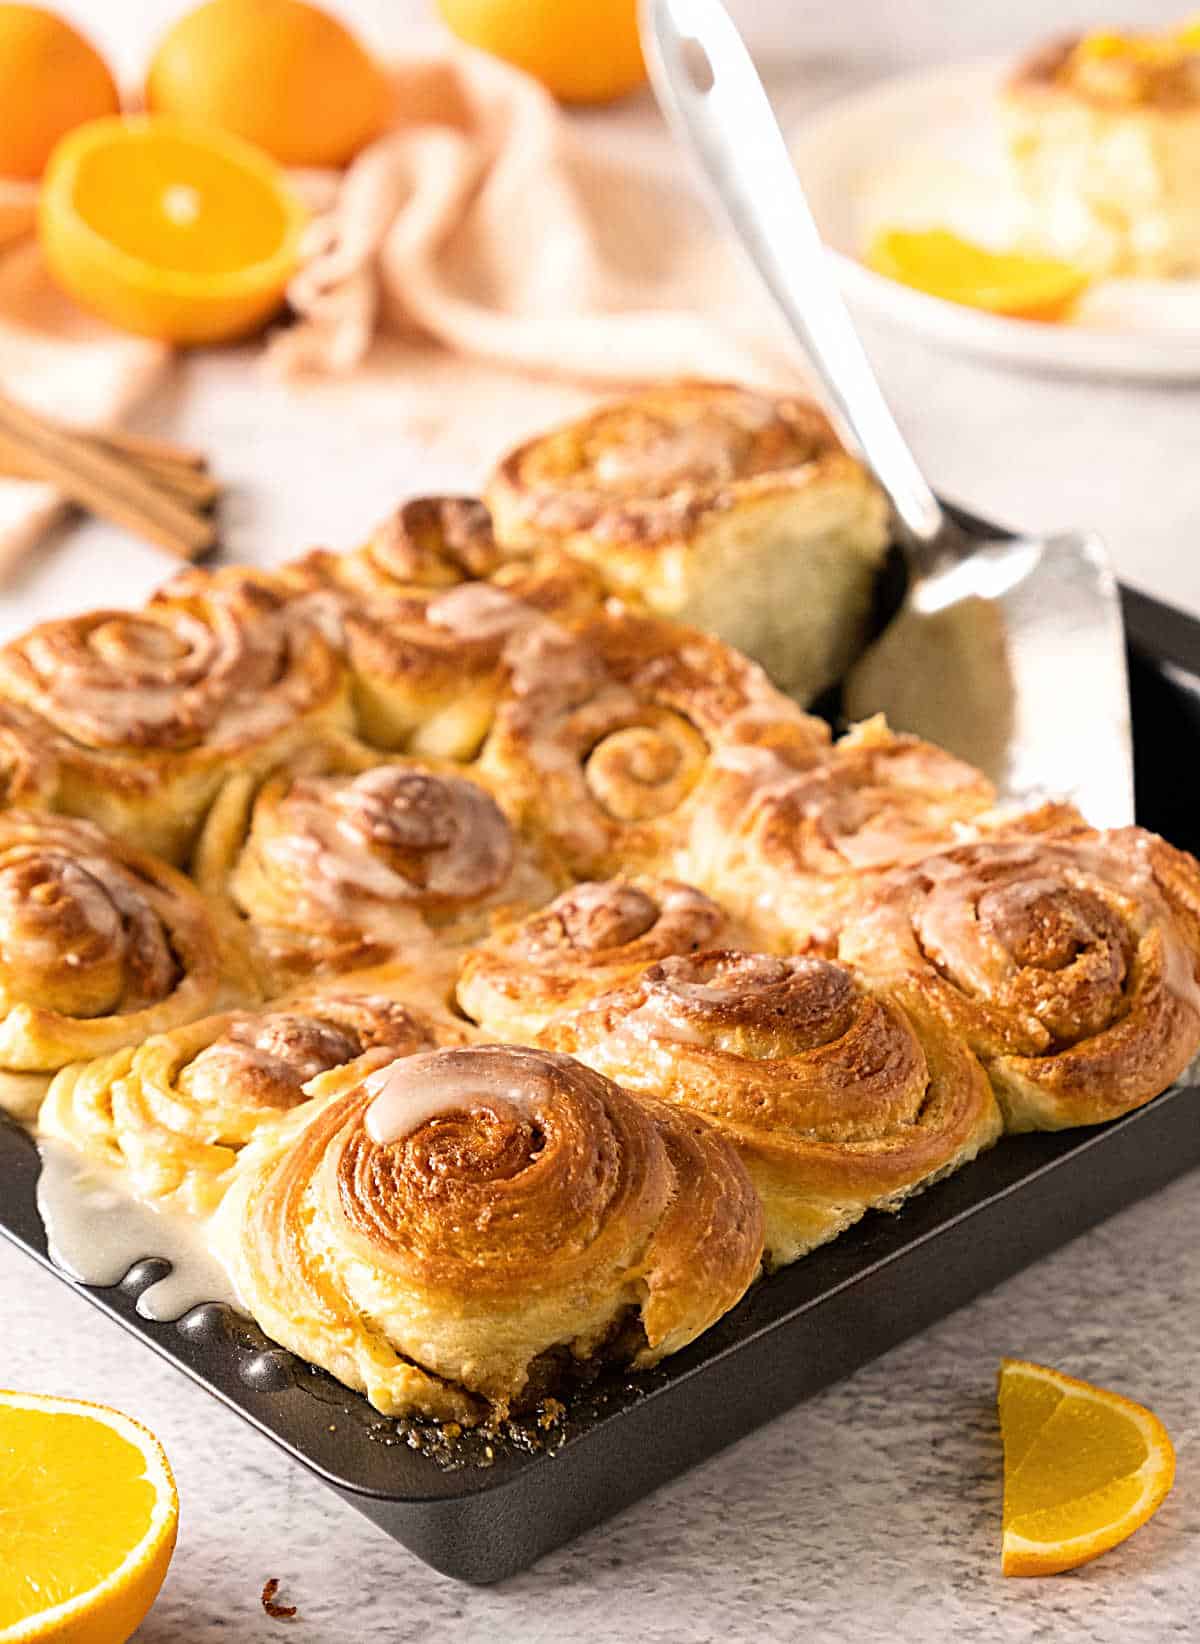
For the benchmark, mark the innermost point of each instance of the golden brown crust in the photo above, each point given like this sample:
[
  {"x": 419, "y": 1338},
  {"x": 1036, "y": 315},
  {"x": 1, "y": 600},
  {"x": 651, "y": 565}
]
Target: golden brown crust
[
  {"x": 645, "y": 470},
  {"x": 608, "y": 740},
  {"x": 426, "y": 543},
  {"x": 426, "y": 614},
  {"x": 145, "y": 711},
  {"x": 535, "y": 1212},
  {"x": 589, "y": 939},
  {"x": 836, "y": 1100},
  {"x": 336, "y": 861},
  {"x": 1069, "y": 965},
  {"x": 716, "y": 506},
  {"x": 100, "y": 945},
  {"x": 791, "y": 852},
  {"x": 175, "y": 1111}
]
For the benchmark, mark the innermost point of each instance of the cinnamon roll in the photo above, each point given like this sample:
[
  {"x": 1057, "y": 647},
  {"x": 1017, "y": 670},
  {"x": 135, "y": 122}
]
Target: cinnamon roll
[
  {"x": 591, "y": 938},
  {"x": 456, "y": 1232},
  {"x": 426, "y": 543},
  {"x": 175, "y": 1111},
  {"x": 719, "y": 507},
  {"x": 837, "y": 1100},
  {"x": 327, "y": 866},
  {"x": 145, "y": 711},
  {"x": 100, "y": 945},
  {"x": 792, "y": 851},
  {"x": 610, "y": 738},
  {"x": 1103, "y": 133},
  {"x": 427, "y": 612},
  {"x": 1069, "y": 966}
]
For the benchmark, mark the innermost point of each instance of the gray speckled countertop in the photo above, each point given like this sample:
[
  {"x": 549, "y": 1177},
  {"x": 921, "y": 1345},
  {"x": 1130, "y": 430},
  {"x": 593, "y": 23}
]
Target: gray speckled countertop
[{"x": 873, "y": 1510}]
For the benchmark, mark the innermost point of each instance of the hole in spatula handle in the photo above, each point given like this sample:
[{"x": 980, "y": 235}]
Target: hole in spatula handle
[{"x": 697, "y": 66}]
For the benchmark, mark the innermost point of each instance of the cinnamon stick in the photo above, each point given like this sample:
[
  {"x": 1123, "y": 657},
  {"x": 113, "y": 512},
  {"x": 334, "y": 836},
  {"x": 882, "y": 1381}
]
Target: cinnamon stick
[
  {"x": 102, "y": 482},
  {"x": 192, "y": 487},
  {"x": 149, "y": 446}
]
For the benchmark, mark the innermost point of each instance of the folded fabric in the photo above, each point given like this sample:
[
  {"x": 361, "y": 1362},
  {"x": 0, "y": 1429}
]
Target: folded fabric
[{"x": 482, "y": 220}]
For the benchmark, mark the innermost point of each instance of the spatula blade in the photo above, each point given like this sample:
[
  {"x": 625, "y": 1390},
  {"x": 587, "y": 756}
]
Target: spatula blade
[{"x": 1015, "y": 660}]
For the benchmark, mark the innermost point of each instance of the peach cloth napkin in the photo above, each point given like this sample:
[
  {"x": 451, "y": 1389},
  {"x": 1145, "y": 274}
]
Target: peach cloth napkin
[{"x": 483, "y": 220}]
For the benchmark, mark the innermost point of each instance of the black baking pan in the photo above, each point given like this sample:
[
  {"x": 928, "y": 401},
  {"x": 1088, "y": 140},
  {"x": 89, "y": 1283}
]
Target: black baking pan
[{"x": 488, "y": 1508}]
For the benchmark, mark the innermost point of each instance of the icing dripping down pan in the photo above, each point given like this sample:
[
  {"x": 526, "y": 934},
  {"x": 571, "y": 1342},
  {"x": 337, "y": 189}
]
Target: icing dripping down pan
[{"x": 886, "y": 1279}]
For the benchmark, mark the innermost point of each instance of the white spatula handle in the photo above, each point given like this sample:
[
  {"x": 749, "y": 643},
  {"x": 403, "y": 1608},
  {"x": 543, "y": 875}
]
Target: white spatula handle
[{"x": 711, "y": 94}]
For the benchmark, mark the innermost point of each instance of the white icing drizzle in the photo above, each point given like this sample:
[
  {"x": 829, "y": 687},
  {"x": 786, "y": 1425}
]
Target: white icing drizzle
[
  {"x": 656, "y": 1020},
  {"x": 948, "y": 920},
  {"x": 97, "y": 1231},
  {"x": 703, "y": 452},
  {"x": 477, "y": 610},
  {"x": 409, "y": 1093}
]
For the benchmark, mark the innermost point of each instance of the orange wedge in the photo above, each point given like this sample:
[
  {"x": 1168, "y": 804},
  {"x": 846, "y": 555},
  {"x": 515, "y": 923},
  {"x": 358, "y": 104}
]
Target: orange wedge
[
  {"x": 1083, "y": 1469},
  {"x": 174, "y": 231},
  {"x": 89, "y": 1514},
  {"x": 944, "y": 265}
]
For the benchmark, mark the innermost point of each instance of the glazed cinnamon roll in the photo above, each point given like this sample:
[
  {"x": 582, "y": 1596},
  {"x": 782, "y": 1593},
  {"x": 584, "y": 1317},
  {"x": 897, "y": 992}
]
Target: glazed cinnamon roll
[
  {"x": 427, "y": 612},
  {"x": 1103, "y": 133},
  {"x": 591, "y": 938},
  {"x": 791, "y": 852},
  {"x": 611, "y": 736},
  {"x": 327, "y": 866},
  {"x": 100, "y": 945},
  {"x": 145, "y": 711},
  {"x": 837, "y": 1100},
  {"x": 717, "y": 506},
  {"x": 426, "y": 543},
  {"x": 175, "y": 1111},
  {"x": 454, "y": 1233},
  {"x": 1068, "y": 965}
]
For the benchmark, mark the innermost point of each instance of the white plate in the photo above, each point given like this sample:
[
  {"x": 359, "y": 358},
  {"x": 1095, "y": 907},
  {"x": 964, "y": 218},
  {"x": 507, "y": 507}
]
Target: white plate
[{"x": 926, "y": 150}]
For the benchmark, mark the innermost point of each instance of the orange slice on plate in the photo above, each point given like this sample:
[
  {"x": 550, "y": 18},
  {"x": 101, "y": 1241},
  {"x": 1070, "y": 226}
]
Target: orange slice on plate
[
  {"x": 1083, "y": 1469},
  {"x": 171, "y": 230},
  {"x": 89, "y": 1514},
  {"x": 1010, "y": 283}
]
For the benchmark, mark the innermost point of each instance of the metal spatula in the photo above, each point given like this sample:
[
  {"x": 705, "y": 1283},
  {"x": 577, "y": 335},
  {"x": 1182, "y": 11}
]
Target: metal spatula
[{"x": 1007, "y": 650}]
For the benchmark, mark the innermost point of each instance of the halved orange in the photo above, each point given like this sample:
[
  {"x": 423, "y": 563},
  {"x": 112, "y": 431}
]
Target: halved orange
[
  {"x": 88, "y": 1512},
  {"x": 172, "y": 230},
  {"x": 943, "y": 264},
  {"x": 1083, "y": 1468}
]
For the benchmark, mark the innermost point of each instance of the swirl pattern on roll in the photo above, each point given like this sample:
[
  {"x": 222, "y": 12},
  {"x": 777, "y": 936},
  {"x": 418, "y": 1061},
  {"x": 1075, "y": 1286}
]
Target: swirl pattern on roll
[
  {"x": 175, "y": 1111},
  {"x": 426, "y": 543},
  {"x": 331, "y": 869},
  {"x": 837, "y": 1099},
  {"x": 792, "y": 852},
  {"x": 589, "y": 939},
  {"x": 1068, "y": 965},
  {"x": 452, "y": 1234},
  {"x": 609, "y": 738},
  {"x": 99, "y": 946},
  {"x": 644, "y": 469},
  {"x": 146, "y": 710},
  {"x": 427, "y": 613}
]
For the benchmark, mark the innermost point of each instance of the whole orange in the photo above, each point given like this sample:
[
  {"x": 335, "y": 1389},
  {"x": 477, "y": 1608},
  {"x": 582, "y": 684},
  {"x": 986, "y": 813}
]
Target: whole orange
[
  {"x": 51, "y": 79},
  {"x": 280, "y": 73},
  {"x": 584, "y": 51}
]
